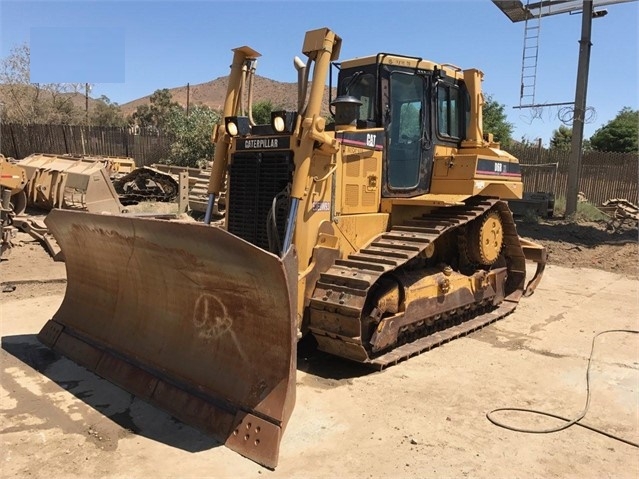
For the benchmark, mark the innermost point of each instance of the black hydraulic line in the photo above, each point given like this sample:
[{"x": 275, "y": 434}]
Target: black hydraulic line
[{"x": 568, "y": 422}]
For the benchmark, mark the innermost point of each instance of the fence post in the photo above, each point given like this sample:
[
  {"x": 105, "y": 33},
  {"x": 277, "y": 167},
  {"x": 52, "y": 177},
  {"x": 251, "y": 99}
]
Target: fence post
[
  {"x": 64, "y": 137},
  {"x": 13, "y": 141}
]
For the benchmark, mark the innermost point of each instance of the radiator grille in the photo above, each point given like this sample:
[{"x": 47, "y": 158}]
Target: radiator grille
[{"x": 254, "y": 180}]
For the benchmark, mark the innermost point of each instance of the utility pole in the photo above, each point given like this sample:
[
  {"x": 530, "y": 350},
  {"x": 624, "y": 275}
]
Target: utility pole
[
  {"x": 576, "y": 145},
  {"x": 86, "y": 103},
  {"x": 1, "y": 121},
  {"x": 188, "y": 98},
  {"x": 517, "y": 12}
]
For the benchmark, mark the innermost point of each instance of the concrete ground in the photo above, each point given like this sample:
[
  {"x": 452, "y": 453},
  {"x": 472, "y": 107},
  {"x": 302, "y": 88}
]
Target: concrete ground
[{"x": 425, "y": 417}]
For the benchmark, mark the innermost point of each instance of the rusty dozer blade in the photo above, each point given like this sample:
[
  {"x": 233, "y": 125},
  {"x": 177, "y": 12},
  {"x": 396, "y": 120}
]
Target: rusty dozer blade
[
  {"x": 62, "y": 181},
  {"x": 185, "y": 316}
]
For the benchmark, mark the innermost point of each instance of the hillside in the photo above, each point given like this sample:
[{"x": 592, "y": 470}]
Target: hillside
[
  {"x": 28, "y": 96},
  {"x": 212, "y": 94}
]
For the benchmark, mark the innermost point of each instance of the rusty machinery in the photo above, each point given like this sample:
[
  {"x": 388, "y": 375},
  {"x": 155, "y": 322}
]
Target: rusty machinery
[
  {"x": 65, "y": 181},
  {"x": 12, "y": 199}
]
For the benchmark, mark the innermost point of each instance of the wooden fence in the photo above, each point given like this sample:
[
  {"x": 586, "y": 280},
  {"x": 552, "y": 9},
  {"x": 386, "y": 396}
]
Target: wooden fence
[
  {"x": 19, "y": 141},
  {"x": 602, "y": 176}
]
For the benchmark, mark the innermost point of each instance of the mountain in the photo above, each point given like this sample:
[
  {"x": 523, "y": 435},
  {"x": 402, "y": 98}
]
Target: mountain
[
  {"x": 16, "y": 98},
  {"x": 212, "y": 94}
]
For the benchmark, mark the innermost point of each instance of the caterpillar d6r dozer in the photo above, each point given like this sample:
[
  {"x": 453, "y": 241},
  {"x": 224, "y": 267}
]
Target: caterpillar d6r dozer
[{"x": 382, "y": 235}]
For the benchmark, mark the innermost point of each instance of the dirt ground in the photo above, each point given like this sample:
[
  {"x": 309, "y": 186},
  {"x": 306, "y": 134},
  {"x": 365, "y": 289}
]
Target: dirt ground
[
  {"x": 586, "y": 245},
  {"x": 425, "y": 417}
]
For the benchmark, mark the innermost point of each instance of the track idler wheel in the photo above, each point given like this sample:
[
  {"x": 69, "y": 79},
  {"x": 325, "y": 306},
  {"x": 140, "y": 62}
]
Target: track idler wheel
[{"x": 485, "y": 238}]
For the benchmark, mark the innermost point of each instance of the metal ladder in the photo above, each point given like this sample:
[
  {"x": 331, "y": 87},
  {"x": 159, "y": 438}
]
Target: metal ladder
[{"x": 529, "y": 59}]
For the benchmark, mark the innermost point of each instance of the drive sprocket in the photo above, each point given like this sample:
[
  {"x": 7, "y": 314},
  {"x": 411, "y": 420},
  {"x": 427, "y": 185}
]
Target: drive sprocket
[{"x": 485, "y": 238}]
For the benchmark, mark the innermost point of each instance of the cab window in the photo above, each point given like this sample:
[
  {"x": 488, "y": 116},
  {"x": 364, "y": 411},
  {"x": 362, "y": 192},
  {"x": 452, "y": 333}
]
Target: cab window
[
  {"x": 407, "y": 92},
  {"x": 362, "y": 86},
  {"x": 450, "y": 111}
]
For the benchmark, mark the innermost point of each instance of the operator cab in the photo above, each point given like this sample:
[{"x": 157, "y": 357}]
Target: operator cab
[{"x": 418, "y": 104}]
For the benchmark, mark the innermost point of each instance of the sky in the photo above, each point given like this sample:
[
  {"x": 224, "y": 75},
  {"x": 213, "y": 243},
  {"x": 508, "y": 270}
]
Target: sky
[{"x": 128, "y": 49}]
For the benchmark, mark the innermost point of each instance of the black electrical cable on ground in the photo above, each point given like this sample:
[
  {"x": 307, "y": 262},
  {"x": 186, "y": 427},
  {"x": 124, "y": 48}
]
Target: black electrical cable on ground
[{"x": 568, "y": 422}]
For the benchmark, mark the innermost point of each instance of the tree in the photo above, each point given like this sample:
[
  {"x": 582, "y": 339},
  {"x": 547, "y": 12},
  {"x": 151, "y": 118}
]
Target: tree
[
  {"x": 142, "y": 117},
  {"x": 262, "y": 112},
  {"x": 619, "y": 134},
  {"x": 561, "y": 138},
  {"x": 192, "y": 144},
  {"x": 26, "y": 102},
  {"x": 156, "y": 113},
  {"x": 495, "y": 121},
  {"x": 106, "y": 113}
]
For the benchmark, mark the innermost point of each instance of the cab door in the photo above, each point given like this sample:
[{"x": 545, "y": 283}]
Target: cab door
[{"x": 408, "y": 160}]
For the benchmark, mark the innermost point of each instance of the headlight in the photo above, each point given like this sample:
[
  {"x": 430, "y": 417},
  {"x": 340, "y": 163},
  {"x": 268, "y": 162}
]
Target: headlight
[
  {"x": 237, "y": 125},
  {"x": 283, "y": 121},
  {"x": 278, "y": 124},
  {"x": 231, "y": 128}
]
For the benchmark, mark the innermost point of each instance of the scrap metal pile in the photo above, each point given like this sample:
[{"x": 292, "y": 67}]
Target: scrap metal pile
[
  {"x": 620, "y": 212},
  {"x": 97, "y": 184},
  {"x": 146, "y": 184}
]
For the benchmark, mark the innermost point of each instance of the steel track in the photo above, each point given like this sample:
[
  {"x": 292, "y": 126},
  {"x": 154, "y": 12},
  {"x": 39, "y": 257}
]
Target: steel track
[
  {"x": 337, "y": 304},
  {"x": 146, "y": 185}
]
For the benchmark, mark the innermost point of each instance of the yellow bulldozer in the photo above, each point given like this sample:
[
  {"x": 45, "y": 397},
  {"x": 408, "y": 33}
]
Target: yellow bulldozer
[{"x": 382, "y": 233}]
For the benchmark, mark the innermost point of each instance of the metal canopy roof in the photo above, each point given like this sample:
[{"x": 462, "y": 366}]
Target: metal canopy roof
[{"x": 518, "y": 12}]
